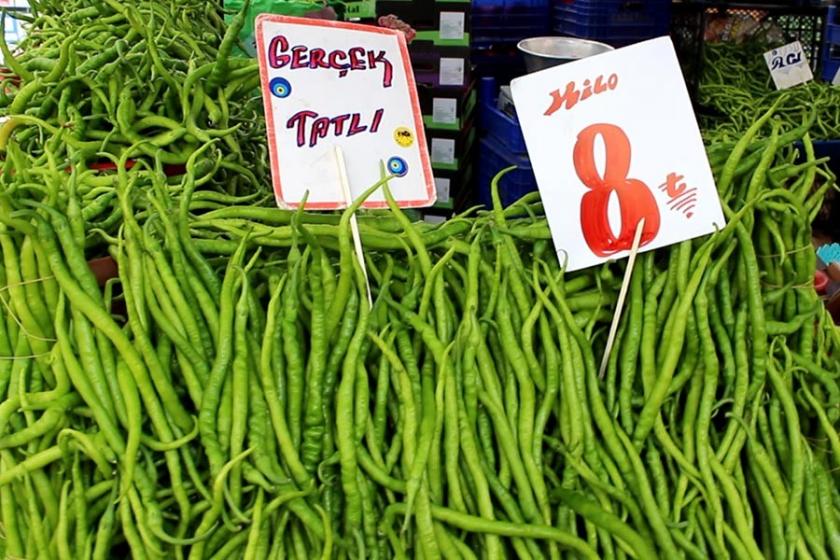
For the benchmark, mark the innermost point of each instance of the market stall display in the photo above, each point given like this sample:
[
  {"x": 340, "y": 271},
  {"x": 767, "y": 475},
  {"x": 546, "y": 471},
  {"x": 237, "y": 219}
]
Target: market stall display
[
  {"x": 696, "y": 24},
  {"x": 226, "y": 390},
  {"x": 736, "y": 88}
]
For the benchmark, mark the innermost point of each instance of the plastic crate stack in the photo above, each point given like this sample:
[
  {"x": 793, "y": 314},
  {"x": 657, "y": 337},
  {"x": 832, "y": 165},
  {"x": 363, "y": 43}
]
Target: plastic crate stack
[
  {"x": 831, "y": 46},
  {"x": 440, "y": 57},
  {"x": 501, "y": 146},
  {"x": 615, "y": 22},
  {"x": 498, "y": 25}
]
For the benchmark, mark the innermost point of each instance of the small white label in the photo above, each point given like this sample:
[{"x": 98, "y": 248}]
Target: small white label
[
  {"x": 836, "y": 80},
  {"x": 788, "y": 65},
  {"x": 444, "y": 111},
  {"x": 443, "y": 150},
  {"x": 442, "y": 188},
  {"x": 452, "y": 25},
  {"x": 451, "y": 71},
  {"x": 432, "y": 219}
]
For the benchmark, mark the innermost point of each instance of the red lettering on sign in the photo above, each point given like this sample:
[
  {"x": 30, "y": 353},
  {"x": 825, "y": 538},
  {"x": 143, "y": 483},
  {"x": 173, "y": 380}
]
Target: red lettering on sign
[
  {"x": 355, "y": 127},
  {"x": 311, "y": 127},
  {"x": 339, "y": 123},
  {"x": 635, "y": 199},
  {"x": 388, "y": 72},
  {"x": 377, "y": 118},
  {"x": 569, "y": 97},
  {"x": 299, "y": 59},
  {"x": 320, "y": 128},
  {"x": 572, "y": 95},
  {"x": 318, "y": 59},
  {"x": 334, "y": 61},
  {"x": 680, "y": 196},
  {"x": 357, "y": 62},
  {"x": 280, "y": 55},
  {"x": 299, "y": 120},
  {"x": 276, "y": 47},
  {"x": 673, "y": 187}
]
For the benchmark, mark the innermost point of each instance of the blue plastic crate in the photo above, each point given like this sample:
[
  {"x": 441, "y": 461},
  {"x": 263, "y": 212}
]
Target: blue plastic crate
[
  {"x": 489, "y": 37},
  {"x": 823, "y": 149},
  {"x": 530, "y": 18},
  {"x": 503, "y": 128},
  {"x": 832, "y": 26},
  {"x": 500, "y": 6},
  {"x": 829, "y": 149},
  {"x": 509, "y": 23},
  {"x": 617, "y": 21},
  {"x": 830, "y": 66},
  {"x": 514, "y": 185},
  {"x": 501, "y": 61},
  {"x": 621, "y": 13},
  {"x": 831, "y": 45}
]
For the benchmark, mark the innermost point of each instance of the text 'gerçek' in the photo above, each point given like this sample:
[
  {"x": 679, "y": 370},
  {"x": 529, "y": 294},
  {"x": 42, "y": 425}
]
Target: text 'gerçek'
[{"x": 280, "y": 55}]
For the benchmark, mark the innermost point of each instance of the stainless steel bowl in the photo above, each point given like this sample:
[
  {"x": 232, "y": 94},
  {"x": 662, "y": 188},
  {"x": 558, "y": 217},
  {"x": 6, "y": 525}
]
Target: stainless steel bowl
[{"x": 544, "y": 52}]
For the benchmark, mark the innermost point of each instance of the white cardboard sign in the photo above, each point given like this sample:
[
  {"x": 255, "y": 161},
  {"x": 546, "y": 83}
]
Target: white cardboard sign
[
  {"x": 788, "y": 65},
  {"x": 613, "y": 139},
  {"x": 329, "y": 84}
]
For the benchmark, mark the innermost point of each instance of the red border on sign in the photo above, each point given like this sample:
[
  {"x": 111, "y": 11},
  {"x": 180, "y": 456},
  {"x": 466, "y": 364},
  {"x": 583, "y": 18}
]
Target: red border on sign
[{"x": 412, "y": 92}]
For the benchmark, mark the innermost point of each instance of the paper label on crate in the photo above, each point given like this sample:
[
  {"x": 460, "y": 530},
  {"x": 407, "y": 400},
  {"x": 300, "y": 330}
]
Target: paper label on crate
[
  {"x": 613, "y": 140},
  {"x": 442, "y": 187},
  {"x": 444, "y": 110},
  {"x": 452, "y": 25},
  {"x": 337, "y": 91},
  {"x": 788, "y": 65},
  {"x": 359, "y": 9},
  {"x": 443, "y": 150},
  {"x": 836, "y": 80},
  {"x": 451, "y": 72},
  {"x": 433, "y": 219}
]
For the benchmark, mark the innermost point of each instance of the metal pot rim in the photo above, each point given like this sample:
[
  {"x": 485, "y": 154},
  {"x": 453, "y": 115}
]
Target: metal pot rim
[{"x": 521, "y": 45}]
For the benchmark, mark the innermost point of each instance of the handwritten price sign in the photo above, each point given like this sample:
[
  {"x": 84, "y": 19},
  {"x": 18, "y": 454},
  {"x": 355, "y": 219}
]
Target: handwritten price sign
[
  {"x": 613, "y": 140},
  {"x": 329, "y": 85}
]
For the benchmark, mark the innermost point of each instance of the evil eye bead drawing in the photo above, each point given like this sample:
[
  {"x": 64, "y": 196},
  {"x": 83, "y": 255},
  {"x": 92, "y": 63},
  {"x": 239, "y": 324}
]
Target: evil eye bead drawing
[
  {"x": 397, "y": 166},
  {"x": 280, "y": 87}
]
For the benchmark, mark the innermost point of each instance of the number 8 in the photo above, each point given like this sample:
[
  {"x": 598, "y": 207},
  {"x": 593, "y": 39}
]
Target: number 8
[{"x": 634, "y": 197}]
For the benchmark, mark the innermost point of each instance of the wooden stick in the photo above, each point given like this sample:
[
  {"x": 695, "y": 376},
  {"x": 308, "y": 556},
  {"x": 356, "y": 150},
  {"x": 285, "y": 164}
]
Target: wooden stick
[
  {"x": 354, "y": 224},
  {"x": 622, "y": 294}
]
